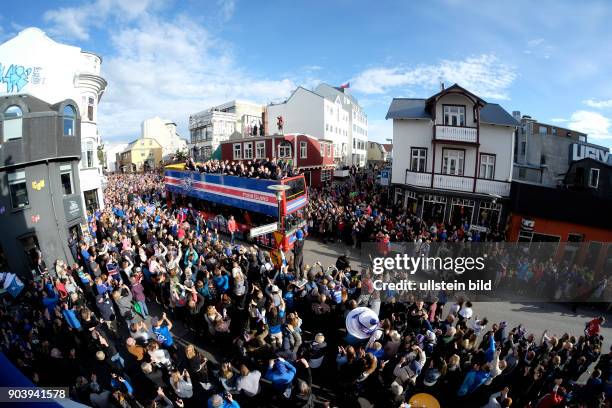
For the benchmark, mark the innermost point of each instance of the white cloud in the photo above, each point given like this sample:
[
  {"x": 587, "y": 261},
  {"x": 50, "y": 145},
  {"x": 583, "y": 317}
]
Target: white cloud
[
  {"x": 227, "y": 8},
  {"x": 594, "y": 124},
  {"x": 559, "y": 120},
  {"x": 598, "y": 104},
  {"x": 535, "y": 42},
  {"x": 76, "y": 22},
  {"x": 484, "y": 75},
  {"x": 172, "y": 69}
]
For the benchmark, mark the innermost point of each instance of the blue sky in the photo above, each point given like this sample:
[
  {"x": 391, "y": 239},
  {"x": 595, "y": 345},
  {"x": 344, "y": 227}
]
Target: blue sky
[{"x": 548, "y": 59}]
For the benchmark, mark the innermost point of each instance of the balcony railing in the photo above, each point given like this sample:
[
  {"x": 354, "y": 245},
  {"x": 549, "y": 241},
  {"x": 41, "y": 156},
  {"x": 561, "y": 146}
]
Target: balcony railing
[
  {"x": 501, "y": 188},
  {"x": 458, "y": 183},
  {"x": 456, "y": 133},
  {"x": 418, "y": 179}
]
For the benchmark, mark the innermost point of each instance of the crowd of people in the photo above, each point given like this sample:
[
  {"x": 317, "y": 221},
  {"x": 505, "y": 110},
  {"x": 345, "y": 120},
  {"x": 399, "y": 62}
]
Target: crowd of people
[
  {"x": 107, "y": 323},
  {"x": 360, "y": 210},
  {"x": 273, "y": 169}
]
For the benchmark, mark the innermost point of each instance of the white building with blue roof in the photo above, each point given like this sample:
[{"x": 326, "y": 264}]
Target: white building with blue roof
[{"x": 453, "y": 158}]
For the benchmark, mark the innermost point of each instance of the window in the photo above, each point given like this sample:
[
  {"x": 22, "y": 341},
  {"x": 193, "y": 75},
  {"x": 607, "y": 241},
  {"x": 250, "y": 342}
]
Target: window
[
  {"x": 90, "y": 108},
  {"x": 554, "y": 131},
  {"x": 454, "y": 115},
  {"x": 66, "y": 178},
  {"x": 327, "y": 126},
  {"x": 328, "y": 149},
  {"x": 522, "y": 173},
  {"x": 452, "y": 162},
  {"x": 69, "y": 120},
  {"x": 260, "y": 149},
  {"x": 487, "y": 166},
  {"x": 303, "y": 150},
  {"x": 12, "y": 125},
  {"x": 418, "y": 159},
  {"x": 594, "y": 178},
  {"x": 18, "y": 188},
  {"x": 322, "y": 149},
  {"x": 543, "y": 130},
  {"x": 237, "y": 151},
  {"x": 523, "y": 147},
  {"x": 248, "y": 150},
  {"x": 542, "y": 159},
  {"x": 87, "y": 155},
  {"x": 284, "y": 151}
]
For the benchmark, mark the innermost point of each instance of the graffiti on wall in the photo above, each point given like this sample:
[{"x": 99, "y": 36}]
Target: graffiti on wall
[{"x": 15, "y": 77}]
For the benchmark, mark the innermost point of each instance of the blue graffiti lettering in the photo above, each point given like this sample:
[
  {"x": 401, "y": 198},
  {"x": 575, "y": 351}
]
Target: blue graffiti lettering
[{"x": 15, "y": 77}]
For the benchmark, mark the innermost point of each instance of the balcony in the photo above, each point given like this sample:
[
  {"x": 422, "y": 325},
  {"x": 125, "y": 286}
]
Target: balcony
[
  {"x": 458, "y": 183},
  {"x": 457, "y": 134},
  {"x": 500, "y": 188},
  {"x": 418, "y": 179}
]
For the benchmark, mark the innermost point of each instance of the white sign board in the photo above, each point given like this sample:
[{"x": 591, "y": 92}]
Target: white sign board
[
  {"x": 384, "y": 178},
  {"x": 264, "y": 229}
]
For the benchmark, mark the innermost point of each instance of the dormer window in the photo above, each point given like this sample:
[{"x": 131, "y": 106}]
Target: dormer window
[{"x": 454, "y": 115}]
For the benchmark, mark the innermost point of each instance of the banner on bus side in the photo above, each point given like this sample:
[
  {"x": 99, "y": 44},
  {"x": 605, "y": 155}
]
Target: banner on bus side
[{"x": 264, "y": 229}]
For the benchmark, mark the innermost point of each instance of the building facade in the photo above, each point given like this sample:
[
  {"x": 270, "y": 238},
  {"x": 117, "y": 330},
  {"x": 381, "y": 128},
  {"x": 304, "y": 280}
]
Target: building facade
[
  {"x": 40, "y": 192},
  {"x": 311, "y": 156},
  {"x": 35, "y": 64},
  {"x": 543, "y": 153},
  {"x": 379, "y": 153},
  {"x": 311, "y": 113},
  {"x": 453, "y": 158},
  {"x": 571, "y": 221},
  {"x": 143, "y": 154},
  {"x": 164, "y": 131},
  {"x": 212, "y": 126},
  {"x": 358, "y": 122}
]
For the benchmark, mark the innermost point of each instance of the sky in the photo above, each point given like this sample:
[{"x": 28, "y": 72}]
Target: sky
[{"x": 548, "y": 59}]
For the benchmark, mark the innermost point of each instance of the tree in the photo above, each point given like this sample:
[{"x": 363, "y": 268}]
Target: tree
[{"x": 180, "y": 155}]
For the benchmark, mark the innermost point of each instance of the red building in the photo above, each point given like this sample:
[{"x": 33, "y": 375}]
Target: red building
[
  {"x": 313, "y": 157},
  {"x": 577, "y": 222}
]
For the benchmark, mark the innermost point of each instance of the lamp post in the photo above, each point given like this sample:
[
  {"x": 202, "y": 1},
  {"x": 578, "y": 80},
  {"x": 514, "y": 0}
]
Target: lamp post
[{"x": 278, "y": 189}]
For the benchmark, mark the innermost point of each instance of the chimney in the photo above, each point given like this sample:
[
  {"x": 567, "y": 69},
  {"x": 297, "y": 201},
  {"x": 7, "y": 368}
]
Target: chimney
[{"x": 516, "y": 115}]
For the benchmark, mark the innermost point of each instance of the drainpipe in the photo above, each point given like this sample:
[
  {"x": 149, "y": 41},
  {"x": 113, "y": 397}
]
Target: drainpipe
[{"x": 53, "y": 206}]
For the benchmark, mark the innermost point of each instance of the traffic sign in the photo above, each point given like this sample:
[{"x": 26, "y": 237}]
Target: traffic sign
[{"x": 264, "y": 229}]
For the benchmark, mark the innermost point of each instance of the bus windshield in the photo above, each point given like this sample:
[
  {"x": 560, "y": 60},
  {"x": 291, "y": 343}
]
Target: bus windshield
[{"x": 297, "y": 188}]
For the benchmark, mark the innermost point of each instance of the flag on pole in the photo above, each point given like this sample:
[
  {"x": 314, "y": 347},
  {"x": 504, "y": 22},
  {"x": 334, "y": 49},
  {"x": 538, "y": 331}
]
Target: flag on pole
[{"x": 345, "y": 85}]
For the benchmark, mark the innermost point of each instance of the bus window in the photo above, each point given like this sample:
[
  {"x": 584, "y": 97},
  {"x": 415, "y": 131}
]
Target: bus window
[{"x": 296, "y": 189}]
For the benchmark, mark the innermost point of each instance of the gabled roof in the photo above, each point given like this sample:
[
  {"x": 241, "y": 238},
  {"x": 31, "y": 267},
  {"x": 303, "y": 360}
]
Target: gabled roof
[
  {"x": 388, "y": 146},
  {"x": 411, "y": 108},
  {"x": 455, "y": 89}
]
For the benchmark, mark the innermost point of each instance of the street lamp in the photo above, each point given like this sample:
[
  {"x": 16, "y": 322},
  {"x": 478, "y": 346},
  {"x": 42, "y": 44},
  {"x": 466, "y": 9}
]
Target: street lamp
[{"x": 278, "y": 189}]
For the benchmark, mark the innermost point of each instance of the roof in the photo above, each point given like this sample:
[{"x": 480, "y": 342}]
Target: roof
[
  {"x": 413, "y": 108},
  {"x": 494, "y": 114},
  {"x": 338, "y": 90},
  {"x": 407, "y": 108},
  {"x": 388, "y": 146}
]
